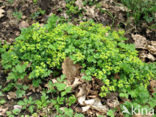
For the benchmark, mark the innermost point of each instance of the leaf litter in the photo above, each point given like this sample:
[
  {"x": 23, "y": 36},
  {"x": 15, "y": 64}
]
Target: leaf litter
[{"x": 87, "y": 93}]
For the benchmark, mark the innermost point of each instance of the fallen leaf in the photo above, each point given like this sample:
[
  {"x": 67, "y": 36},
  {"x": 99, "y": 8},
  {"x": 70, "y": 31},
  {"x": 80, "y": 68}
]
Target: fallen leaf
[
  {"x": 116, "y": 76},
  {"x": 23, "y": 24},
  {"x": 90, "y": 11},
  {"x": 11, "y": 95},
  {"x": 14, "y": 22},
  {"x": 113, "y": 103},
  {"x": 17, "y": 107},
  {"x": 70, "y": 70},
  {"x": 3, "y": 111},
  {"x": 153, "y": 43},
  {"x": 143, "y": 55},
  {"x": 78, "y": 109},
  {"x": 82, "y": 91},
  {"x": 1, "y": 12},
  {"x": 62, "y": 4},
  {"x": 153, "y": 85},
  {"x": 81, "y": 99},
  {"x": 86, "y": 108},
  {"x": 152, "y": 49},
  {"x": 97, "y": 105},
  {"x": 151, "y": 57},
  {"x": 140, "y": 41},
  {"x": 112, "y": 96},
  {"x": 120, "y": 7},
  {"x": 79, "y": 3},
  {"x": 76, "y": 83}
]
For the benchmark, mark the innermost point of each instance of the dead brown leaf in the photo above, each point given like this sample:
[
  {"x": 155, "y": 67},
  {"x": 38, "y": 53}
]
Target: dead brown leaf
[
  {"x": 17, "y": 107},
  {"x": 85, "y": 108},
  {"x": 70, "y": 70},
  {"x": 120, "y": 7},
  {"x": 140, "y": 41},
  {"x": 82, "y": 91},
  {"x": 143, "y": 55},
  {"x": 112, "y": 103},
  {"x": 79, "y": 3},
  {"x": 116, "y": 76},
  {"x": 13, "y": 22},
  {"x": 152, "y": 49},
  {"x": 1, "y": 12},
  {"x": 34, "y": 89},
  {"x": 90, "y": 11},
  {"x": 153, "y": 43},
  {"x": 11, "y": 95},
  {"x": 151, "y": 57},
  {"x": 82, "y": 99},
  {"x": 153, "y": 85},
  {"x": 23, "y": 24},
  {"x": 3, "y": 111},
  {"x": 97, "y": 105},
  {"x": 112, "y": 96},
  {"x": 76, "y": 82}
]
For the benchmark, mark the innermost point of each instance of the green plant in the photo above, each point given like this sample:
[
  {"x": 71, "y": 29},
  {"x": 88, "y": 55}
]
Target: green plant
[
  {"x": 2, "y": 101},
  {"x": 43, "y": 102},
  {"x": 152, "y": 66},
  {"x": 71, "y": 100},
  {"x": 62, "y": 91},
  {"x": 101, "y": 52},
  {"x": 9, "y": 114},
  {"x": 0, "y": 47},
  {"x": 21, "y": 90},
  {"x": 72, "y": 9},
  {"x": 16, "y": 111},
  {"x": 68, "y": 112},
  {"x": 90, "y": 2},
  {"x": 27, "y": 104},
  {"x": 141, "y": 100},
  {"x": 141, "y": 9},
  {"x": 17, "y": 14},
  {"x": 37, "y": 13},
  {"x": 1, "y": 93},
  {"x": 110, "y": 113},
  {"x": 3, "y": 47},
  {"x": 10, "y": 1},
  {"x": 35, "y": 1},
  {"x": 8, "y": 87}
]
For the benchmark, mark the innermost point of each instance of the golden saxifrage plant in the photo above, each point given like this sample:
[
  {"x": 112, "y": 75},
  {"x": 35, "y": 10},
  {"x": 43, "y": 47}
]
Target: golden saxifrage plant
[{"x": 102, "y": 52}]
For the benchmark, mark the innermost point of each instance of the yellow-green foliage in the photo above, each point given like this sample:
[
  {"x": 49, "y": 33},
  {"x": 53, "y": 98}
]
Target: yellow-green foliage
[{"x": 101, "y": 52}]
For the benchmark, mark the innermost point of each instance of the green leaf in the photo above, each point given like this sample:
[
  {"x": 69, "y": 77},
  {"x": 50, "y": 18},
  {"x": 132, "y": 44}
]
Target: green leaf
[
  {"x": 68, "y": 112},
  {"x": 31, "y": 108},
  {"x": 79, "y": 115},
  {"x": 60, "y": 86},
  {"x": 110, "y": 113},
  {"x": 123, "y": 95},
  {"x": 2, "y": 101}
]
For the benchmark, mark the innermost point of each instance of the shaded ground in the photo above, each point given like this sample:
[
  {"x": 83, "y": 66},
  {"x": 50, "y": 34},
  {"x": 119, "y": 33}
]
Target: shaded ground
[{"x": 20, "y": 14}]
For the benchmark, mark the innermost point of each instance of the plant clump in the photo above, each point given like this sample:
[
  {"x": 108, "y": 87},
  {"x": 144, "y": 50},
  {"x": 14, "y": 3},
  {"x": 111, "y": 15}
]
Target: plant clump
[{"x": 102, "y": 52}]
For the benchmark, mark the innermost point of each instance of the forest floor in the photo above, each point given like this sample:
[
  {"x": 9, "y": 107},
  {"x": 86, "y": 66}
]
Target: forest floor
[{"x": 18, "y": 14}]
